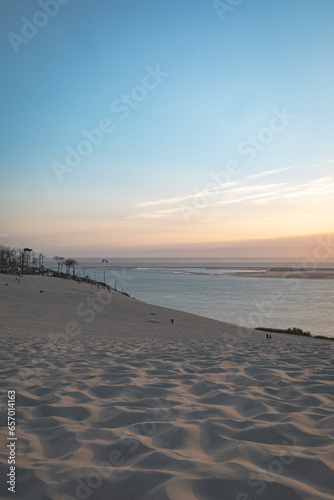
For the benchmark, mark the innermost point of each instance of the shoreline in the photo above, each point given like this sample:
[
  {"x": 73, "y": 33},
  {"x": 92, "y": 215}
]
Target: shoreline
[
  {"x": 244, "y": 272},
  {"x": 240, "y": 332},
  {"x": 286, "y": 273}
]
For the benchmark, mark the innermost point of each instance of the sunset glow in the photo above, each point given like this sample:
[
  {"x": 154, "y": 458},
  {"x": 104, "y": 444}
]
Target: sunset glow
[{"x": 148, "y": 128}]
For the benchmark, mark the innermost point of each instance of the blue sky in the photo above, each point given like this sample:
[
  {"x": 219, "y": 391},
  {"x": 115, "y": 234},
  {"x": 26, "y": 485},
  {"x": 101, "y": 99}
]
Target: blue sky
[{"x": 257, "y": 78}]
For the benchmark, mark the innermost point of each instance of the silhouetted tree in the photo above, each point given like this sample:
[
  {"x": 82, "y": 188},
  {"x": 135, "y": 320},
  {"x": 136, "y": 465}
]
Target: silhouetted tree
[
  {"x": 41, "y": 261},
  {"x": 74, "y": 265},
  {"x": 60, "y": 261},
  {"x": 70, "y": 263},
  {"x": 25, "y": 258},
  {"x": 34, "y": 260}
]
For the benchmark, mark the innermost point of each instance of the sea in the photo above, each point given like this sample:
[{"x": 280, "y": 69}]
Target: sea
[{"x": 199, "y": 287}]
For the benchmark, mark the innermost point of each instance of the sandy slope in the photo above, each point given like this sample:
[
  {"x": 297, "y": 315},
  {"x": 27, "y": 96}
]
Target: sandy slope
[{"x": 115, "y": 406}]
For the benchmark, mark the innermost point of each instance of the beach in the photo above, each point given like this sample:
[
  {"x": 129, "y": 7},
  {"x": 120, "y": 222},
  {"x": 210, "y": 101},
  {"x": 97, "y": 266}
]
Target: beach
[{"x": 114, "y": 400}]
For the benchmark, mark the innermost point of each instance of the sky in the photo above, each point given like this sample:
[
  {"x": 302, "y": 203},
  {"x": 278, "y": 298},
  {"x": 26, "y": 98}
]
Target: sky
[{"x": 165, "y": 126}]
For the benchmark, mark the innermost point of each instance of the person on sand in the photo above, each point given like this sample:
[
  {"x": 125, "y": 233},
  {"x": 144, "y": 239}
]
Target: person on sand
[{"x": 172, "y": 321}]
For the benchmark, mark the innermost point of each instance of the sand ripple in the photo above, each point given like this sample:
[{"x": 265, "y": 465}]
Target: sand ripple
[{"x": 158, "y": 421}]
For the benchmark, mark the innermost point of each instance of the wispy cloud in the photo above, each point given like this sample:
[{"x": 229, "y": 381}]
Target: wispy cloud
[
  {"x": 232, "y": 196},
  {"x": 258, "y": 187},
  {"x": 271, "y": 192},
  {"x": 253, "y": 197},
  {"x": 324, "y": 164},
  {"x": 269, "y": 172},
  {"x": 220, "y": 188},
  {"x": 156, "y": 214},
  {"x": 323, "y": 185},
  {"x": 259, "y": 194},
  {"x": 200, "y": 194},
  {"x": 315, "y": 187}
]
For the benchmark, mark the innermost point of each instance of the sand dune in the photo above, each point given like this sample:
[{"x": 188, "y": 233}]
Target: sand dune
[{"x": 120, "y": 407}]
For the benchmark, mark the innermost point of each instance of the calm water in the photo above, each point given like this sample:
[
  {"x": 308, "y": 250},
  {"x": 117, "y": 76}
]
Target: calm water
[{"x": 199, "y": 287}]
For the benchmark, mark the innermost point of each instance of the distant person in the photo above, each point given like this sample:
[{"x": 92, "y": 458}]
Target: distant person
[{"x": 172, "y": 321}]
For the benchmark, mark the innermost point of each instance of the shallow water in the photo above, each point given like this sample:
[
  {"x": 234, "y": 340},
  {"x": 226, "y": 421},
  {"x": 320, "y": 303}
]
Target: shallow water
[{"x": 199, "y": 288}]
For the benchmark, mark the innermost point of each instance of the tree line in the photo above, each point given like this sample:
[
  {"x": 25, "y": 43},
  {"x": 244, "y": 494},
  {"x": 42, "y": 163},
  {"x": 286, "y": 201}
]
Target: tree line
[
  {"x": 21, "y": 260},
  {"x": 68, "y": 263},
  {"x": 13, "y": 259}
]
